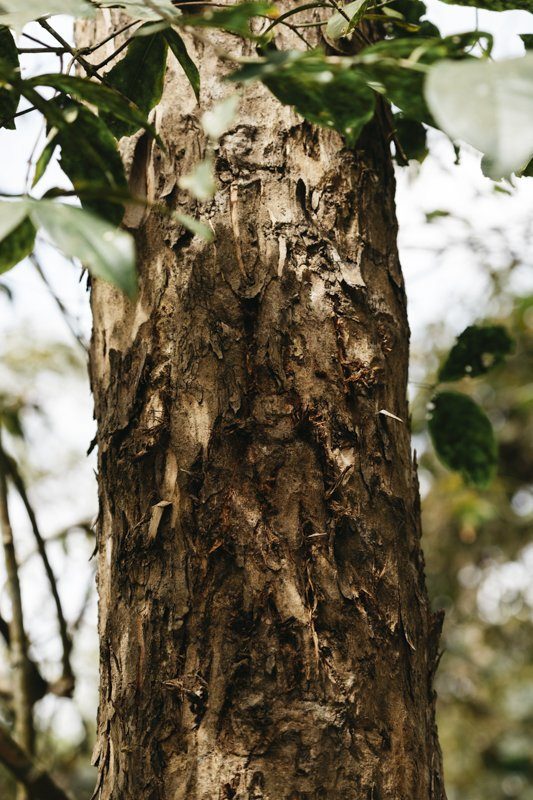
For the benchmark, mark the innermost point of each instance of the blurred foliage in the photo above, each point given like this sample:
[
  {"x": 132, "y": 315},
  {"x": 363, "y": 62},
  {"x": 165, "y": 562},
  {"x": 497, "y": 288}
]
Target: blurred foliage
[{"x": 479, "y": 559}]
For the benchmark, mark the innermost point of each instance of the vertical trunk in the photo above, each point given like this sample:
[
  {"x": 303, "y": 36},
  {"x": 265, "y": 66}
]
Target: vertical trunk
[{"x": 265, "y": 629}]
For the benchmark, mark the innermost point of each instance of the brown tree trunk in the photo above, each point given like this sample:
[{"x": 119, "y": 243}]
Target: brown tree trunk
[{"x": 264, "y": 624}]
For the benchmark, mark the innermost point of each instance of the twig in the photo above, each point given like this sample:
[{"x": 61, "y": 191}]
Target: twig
[
  {"x": 39, "y": 784},
  {"x": 24, "y": 732},
  {"x": 10, "y": 467},
  {"x": 76, "y": 54}
]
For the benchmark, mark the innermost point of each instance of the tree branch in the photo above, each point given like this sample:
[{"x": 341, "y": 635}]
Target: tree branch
[
  {"x": 17, "y": 634},
  {"x": 38, "y": 783},
  {"x": 9, "y": 467}
]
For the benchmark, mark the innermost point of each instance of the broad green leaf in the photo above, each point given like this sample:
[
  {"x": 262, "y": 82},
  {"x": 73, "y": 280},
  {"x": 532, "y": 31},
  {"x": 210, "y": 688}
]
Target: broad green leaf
[
  {"x": 489, "y": 105},
  {"x": 340, "y": 24},
  {"x": 194, "y": 226},
  {"x": 107, "y": 253},
  {"x": 325, "y": 92},
  {"x": 17, "y": 245},
  {"x": 136, "y": 9},
  {"x": 89, "y": 156},
  {"x": 235, "y": 18},
  {"x": 463, "y": 437},
  {"x": 140, "y": 76},
  {"x": 12, "y": 212},
  {"x": 16, "y": 13},
  {"x": 200, "y": 182},
  {"x": 9, "y": 97},
  {"x": 477, "y": 350},
  {"x": 177, "y": 45},
  {"x": 217, "y": 120},
  {"x": 107, "y": 100}
]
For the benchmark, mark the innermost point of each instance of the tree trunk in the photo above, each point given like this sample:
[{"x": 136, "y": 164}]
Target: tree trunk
[{"x": 264, "y": 624}]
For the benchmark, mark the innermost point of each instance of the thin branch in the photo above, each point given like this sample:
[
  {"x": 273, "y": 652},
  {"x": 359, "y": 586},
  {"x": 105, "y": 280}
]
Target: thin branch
[
  {"x": 24, "y": 732},
  {"x": 11, "y": 469},
  {"x": 54, "y": 50},
  {"x": 38, "y": 783},
  {"x": 114, "y": 54},
  {"x": 38, "y": 687},
  {"x": 76, "y": 54}
]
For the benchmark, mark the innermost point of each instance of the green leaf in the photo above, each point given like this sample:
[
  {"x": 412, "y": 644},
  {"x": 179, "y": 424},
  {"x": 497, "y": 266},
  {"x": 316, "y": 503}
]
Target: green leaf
[
  {"x": 140, "y": 76},
  {"x": 463, "y": 437},
  {"x": 12, "y": 212},
  {"x": 177, "y": 45},
  {"x": 9, "y": 97},
  {"x": 45, "y": 156},
  {"x": 325, "y": 92},
  {"x": 235, "y": 19},
  {"x": 195, "y": 226},
  {"x": 107, "y": 100},
  {"x": 412, "y": 136},
  {"x": 527, "y": 38},
  {"x": 217, "y": 120},
  {"x": 340, "y": 24},
  {"x": 17, "y": 244},
  {"x": 200, "y": 182},
  {"x": 136, "y": 9},
  {"x": 107, "y": 253},
  {"x": 12, "y": 15},
  {"x": 89, "y": 156},
  {"x": 397, "y": 68},
  {"x": 494, "y": 5},
  {"x": 477, "y": 350},
  {"x": 488, "y": 105}
]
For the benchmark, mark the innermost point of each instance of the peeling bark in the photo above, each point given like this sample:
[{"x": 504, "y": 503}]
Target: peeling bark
[{"x": 264, "y": 624}]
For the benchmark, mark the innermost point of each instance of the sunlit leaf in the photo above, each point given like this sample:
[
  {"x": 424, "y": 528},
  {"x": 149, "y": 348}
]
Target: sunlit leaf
[
  {"x": 12, "y": 212},
  {"x": 200, "y": 182},
  {"x": 344, "y": 20},
  {"x": 488, "y": 105},
  {"x": 477, "y": 350},
  {"x": 177, "y": 45},
  {"x": 15, "y": 14},
  {"x": 195, "y": 226},
  {"x": 218, "y": 119},
  {"x": 136, "y": 9},
  {"x": 463, "y": 437},
  {"x": 107, "y": 253}
]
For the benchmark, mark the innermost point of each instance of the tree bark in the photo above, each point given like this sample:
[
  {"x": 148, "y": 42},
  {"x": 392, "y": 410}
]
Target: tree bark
[{"x": 264, "y": 624}]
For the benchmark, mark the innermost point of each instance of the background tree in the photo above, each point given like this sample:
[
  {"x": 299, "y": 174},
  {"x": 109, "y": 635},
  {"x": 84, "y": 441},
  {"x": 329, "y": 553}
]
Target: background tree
[{"x": 265, "y": 613}]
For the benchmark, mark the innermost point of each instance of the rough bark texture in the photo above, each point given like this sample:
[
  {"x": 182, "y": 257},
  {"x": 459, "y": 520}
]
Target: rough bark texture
[{"x": 265, "y": 629}]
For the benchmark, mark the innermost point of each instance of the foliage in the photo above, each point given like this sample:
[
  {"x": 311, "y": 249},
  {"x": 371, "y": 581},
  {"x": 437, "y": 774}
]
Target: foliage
[
  {"x": 478, "y": 554},
  {"x": 423, "y": 75}
]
